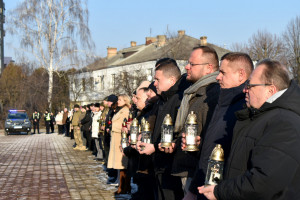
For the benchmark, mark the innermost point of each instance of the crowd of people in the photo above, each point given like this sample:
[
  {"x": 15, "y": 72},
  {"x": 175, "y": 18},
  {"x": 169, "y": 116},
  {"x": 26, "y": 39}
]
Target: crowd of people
[{"x": 254, "y": 114}]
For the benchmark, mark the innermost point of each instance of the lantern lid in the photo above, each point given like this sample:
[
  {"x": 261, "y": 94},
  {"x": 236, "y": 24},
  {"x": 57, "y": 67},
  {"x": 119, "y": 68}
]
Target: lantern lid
[
  {"x": 168, "y": 120},
  {"x": 135, "y": 122},
  {"x": 192, "y": 118},
  {"x": 143, "y": 120},
  {"x": 147, "y": 126},
  {"x": 217, "y": 153}
]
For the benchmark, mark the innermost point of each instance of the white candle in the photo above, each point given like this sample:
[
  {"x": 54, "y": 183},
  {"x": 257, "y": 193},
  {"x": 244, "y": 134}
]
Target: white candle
[
  {"x": 133, "y": 137},
  {"x": 168, "y": 138},
  {"x": 190, "y": 140}
]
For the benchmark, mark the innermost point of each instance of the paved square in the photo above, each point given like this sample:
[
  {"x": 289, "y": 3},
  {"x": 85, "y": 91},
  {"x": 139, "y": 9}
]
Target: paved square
[{"x": 46, "y": 167}]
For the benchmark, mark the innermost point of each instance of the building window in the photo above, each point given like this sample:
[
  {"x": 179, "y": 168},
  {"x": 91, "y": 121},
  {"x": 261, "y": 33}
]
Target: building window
[
  {"x": 102, "y": 82},
  {"x": 91, "y": 83},
  {"x": 83, "y": 84},
  {"x": 113, "y": 81}
]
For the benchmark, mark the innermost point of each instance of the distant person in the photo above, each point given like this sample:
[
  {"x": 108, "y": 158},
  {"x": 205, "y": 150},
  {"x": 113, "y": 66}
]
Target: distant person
[
  {"x": 36, "y": 121},
  {"x": 47, "y": 118},
  {"x": 65, "y": 121},
  {"x": 76, "y": 128},
  {"x": 58, "y": 121},
  {"x": 52, "y": 122}
]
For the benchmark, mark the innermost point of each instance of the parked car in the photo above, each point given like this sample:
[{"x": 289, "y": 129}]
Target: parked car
[{"x": 17, "y": 121}]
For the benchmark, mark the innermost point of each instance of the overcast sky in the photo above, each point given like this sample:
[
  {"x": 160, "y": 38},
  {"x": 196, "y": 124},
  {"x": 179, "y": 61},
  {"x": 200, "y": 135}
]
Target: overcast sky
[{"x": 115, "y": 23}]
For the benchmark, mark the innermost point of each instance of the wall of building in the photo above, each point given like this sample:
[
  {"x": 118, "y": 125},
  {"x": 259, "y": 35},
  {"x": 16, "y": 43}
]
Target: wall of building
[{"x": 103, "y": 80}]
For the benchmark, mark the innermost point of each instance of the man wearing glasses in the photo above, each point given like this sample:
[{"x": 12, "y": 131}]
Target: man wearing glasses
[
  {"x": 264, "y": 162},
  {"x": 201, "y": 97},
  {"x": 234, "y": 71}
]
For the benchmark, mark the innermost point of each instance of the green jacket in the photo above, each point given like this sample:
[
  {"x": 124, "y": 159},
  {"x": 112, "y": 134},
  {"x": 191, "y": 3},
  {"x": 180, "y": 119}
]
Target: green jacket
[{"x": 76, "y": 118}]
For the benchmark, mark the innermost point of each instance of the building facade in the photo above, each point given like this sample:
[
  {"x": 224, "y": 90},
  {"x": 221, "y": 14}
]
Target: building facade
[{"x": 122, "y": 70}]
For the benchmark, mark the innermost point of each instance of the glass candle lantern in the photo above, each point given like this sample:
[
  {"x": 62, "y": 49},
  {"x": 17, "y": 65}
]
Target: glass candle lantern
[
  {"x": 124, "y": 141},
  {"x": 215, "y": 166},
  {"x": 167, "y": 132},
  {"x": 191, "y": 132},
  {"x": 146, "y": 134},
  {"x": 101, "y": 123},
  {"x": 134, "y": 131}
]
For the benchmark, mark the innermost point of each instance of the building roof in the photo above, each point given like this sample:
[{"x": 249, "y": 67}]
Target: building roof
[{"x": 178, "y": 48}]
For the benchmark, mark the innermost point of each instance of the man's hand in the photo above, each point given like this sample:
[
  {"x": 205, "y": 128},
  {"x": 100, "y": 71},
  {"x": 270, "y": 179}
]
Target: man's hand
[
  {"x": 148, "y": 150},
  {"x": 139, "y": 142},
  {"x": 183, "y": 141},
  {"x": 167, "y": 149},
  {"x": 102, "y": 128},
  {"x": 208, "y": 191}
]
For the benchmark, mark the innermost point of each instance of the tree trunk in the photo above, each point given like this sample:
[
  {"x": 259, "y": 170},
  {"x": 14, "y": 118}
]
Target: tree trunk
[
  {"x": 50, "y": 89},
  {"x": 298, "y": 70}
]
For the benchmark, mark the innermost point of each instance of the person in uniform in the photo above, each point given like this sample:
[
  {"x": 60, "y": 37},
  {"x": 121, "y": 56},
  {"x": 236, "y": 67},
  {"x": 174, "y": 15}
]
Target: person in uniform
[{"x": 36, "y": 121}]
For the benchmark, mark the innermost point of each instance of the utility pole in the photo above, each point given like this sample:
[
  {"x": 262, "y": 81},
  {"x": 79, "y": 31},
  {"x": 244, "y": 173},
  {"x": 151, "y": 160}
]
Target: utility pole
[{"x": 2, "y": 34}]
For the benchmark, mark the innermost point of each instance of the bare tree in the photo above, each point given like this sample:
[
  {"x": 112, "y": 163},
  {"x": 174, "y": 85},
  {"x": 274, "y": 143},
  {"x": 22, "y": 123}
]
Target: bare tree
[
  {"x": 263, "y": 44},
  {"x": 239, "y": 47},
  {"x": 54, "y": 32},
  {"x": 292, "y": 41},
  {"x": 126, "y": 82}
]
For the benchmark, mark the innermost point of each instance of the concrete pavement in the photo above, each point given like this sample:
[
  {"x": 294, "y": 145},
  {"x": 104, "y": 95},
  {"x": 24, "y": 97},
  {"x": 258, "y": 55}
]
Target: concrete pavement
[{"x": 46, "y": 167}]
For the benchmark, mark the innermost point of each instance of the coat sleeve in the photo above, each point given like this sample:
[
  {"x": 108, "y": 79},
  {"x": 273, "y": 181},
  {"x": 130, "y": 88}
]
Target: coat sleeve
[{"x": 273, "y": 164}]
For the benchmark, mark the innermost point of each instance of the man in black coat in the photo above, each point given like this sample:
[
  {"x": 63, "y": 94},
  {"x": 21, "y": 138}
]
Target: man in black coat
[
  {"x": 235, "y": 69},
  {"x": 86, "y": 124},
  {"x": 264, "y": 162},
  {"x": 170, "y": 86}
]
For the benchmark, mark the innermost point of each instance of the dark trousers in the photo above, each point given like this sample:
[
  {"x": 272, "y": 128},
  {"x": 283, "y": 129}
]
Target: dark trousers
[
  {"x": 106, "y": 146},
  {"x": 72, "y": 134},
  {"x": 60, "y": 129},
  {"x": 36, "y": 125},
  {"x": 168, "y": 187},
  {"x": 52, "y": 127},
  {"x": 67, "y": 129},
  {"x": 47, "y": 124},
  {"x": 146, "y": 187},
  {"x": 88, "y": 135},
  {"x": 101, "y": 140}
]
